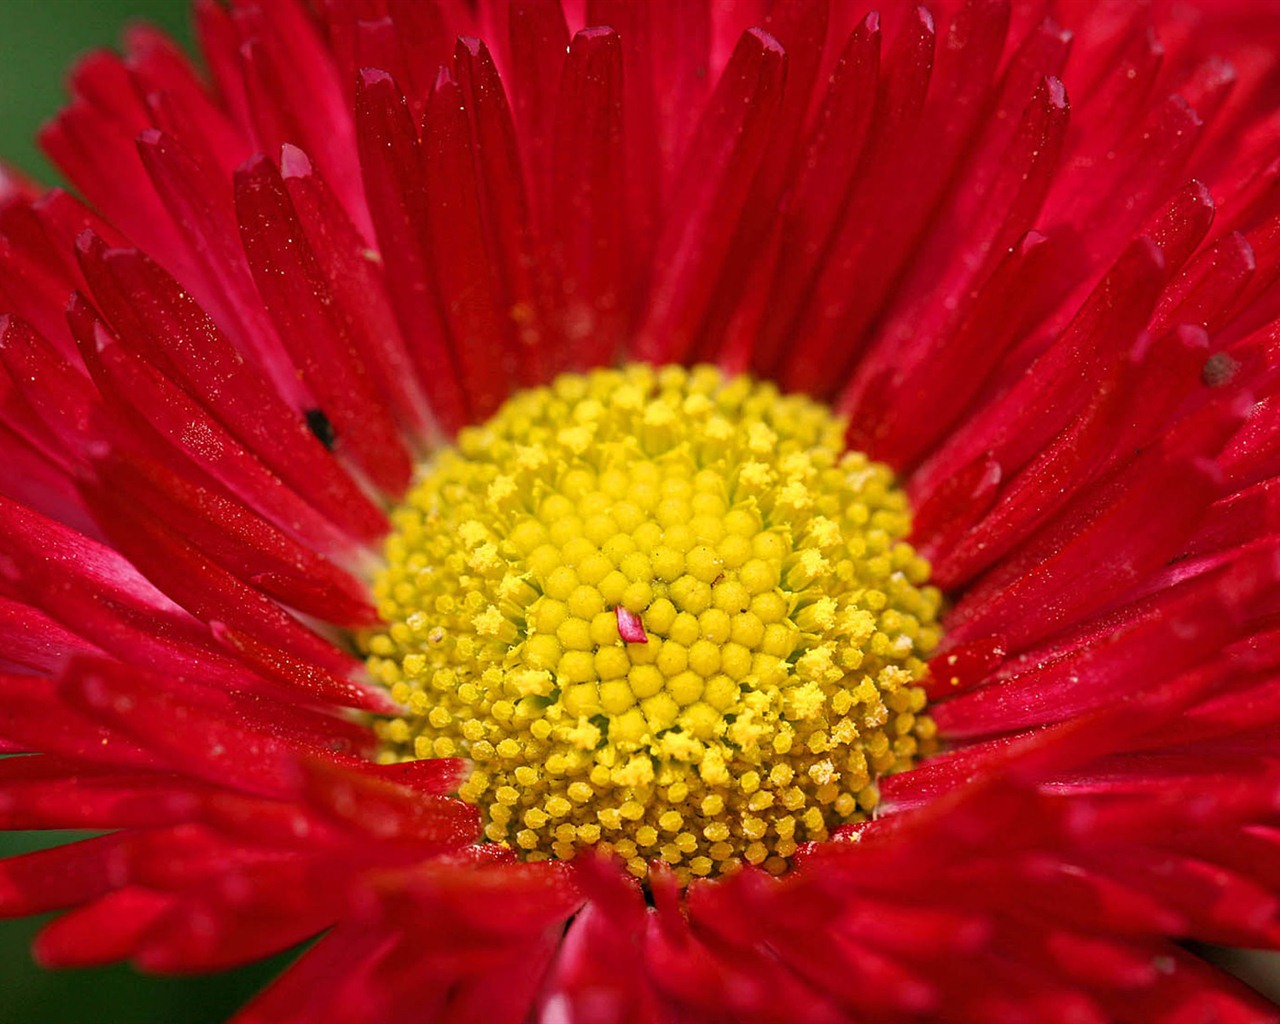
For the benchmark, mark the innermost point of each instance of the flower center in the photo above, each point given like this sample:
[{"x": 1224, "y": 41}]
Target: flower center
[{"x": 662, "y": 613}]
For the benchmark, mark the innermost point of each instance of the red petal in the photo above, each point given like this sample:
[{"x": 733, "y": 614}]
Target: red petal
[
  {"x": 212, "y": 594},
  {"x": 537, "y": 42},
  {"x": 55, "y": 390},
  {"x": 60, "y": 877},
  {"x": 438, "y": 776},
  {"x": 702, "y": 217},
  {"x": 220, "y": 49},
  {"x": 1206, "y": 291},
  {"x": 330, "y": 981},
  {"x": 234, "y": 538},
  {"x": 108, "y": 929},
  {"x": 1165, "y": 635},
  {"x": 1111, "y": 552},
  {"x": 35, "y": 719},
  {"x": 483, "y": 337},
  {"x": 357, "y": 283},
  {"x": 199, "y": 202},
  {"x": 182, "y": 432},
  {"x": 929, "y": 397},
  {"x": 102, "y": 160},
  {"x": 391, "y": 814},
  {"x": 877, "y": 230},
  {"x": 201, "y": 740},
  {"x": 587, "y": 224},
  {"x": 306, "y": 88},
  {"x": 291, "y": 285},
  {"x": 32, "y": 640},
  {"x": 47, "y": 792},
  {"x": 1039, "y": 402},
  {"x": 1115, "y": 422},
  {"x": 504, "y": 205},
  {"x": 998, "y": 208},
  {"x": 37, "y": 279},
  {"x": 94, "y": 592},
  {"x": 395, "y": 183},
  {"x": 177, "y": 102},
  {"x": 825, "y": 178},
  {"x": 157, "y": 320},
  {"x": 800, "y": 28}
]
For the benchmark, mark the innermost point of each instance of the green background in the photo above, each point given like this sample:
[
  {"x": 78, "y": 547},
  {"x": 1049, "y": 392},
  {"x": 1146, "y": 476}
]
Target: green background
[{"x": 39, "y": 40}]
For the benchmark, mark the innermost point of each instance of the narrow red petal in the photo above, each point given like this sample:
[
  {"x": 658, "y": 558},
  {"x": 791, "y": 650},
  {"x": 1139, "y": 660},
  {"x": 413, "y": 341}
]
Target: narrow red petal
[
  {"x": 1206, "y": 290},
  {"x": 55, "y": 390},
  {"x": 236, "y": 539},
  {"x": 356, "y": 280},
  {"x": 995, "y": 221},
  {"x": 877, "y": 230},
  {"x": 37, "y": 720},
  {"x": 204, "y": 588},
  {"x": 157, "y": 320},
  {"x": 31, "y": 640},
  {"x": 702, "y": 217},
  {"x": 1174, "y": 630},
  {"x": 199, "y": 202},
  {"x": 219, "y": 47},
  {"x": 183, "y": 431},
  {"x": 822, "y": 187},
  {"x": 1137, "y": 534},
  {"x": 101, "y": 932},
  {"x": 321, "y": 347},
  {"x": 306, "y": 89},
  {"x": 63, "y": 876},
  {"x": 190, "y": 729},
  {"x": 1111, "y": 425},
  {"x": 392, "y": 814},
  {"x": 94, "y": 592},
  {"x": 75, "y": 796},
  {"x": 483, "y": 337},
  {"x": 537, "y": 42},
  {"x": 1037, "y": 405},
  {"x": 391, "y": 160},
  {"x": 513, "y": 252},
  {"x": 177, "y": 101},
  {"x": 587, "y": 225}
]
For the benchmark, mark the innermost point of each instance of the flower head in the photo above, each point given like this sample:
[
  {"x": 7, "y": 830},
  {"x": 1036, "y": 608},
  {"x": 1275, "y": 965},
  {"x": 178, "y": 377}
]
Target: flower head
[
  {"x": 654, "y": 512},
  {"x": 782, "y": 622}
]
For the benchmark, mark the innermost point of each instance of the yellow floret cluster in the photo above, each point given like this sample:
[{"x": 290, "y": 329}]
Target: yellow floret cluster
[{"x": 785, "y": 621}]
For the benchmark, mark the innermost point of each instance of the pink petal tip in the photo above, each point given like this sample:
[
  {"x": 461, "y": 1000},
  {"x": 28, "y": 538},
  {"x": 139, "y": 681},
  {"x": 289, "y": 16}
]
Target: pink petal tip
[{"x": 630, "y": 628}]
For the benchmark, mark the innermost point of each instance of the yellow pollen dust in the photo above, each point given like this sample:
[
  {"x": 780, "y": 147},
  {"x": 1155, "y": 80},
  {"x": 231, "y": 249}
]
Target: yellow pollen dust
[{"x": 783, "y": 622}]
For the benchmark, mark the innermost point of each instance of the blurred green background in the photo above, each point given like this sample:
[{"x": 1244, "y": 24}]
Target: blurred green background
[{"x": 39, "y": 40}]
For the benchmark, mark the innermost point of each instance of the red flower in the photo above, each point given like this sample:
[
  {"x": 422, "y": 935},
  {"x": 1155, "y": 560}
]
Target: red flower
[{"x": 1031, "y": 255}]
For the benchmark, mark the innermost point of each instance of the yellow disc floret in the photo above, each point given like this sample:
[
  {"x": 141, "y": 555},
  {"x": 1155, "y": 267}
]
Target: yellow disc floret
[{"x": 662, "y": 613}]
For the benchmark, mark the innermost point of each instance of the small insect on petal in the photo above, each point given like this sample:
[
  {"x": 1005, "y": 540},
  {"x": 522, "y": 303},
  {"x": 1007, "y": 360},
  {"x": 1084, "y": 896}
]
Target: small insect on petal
[{"x": 630, "y": 628}]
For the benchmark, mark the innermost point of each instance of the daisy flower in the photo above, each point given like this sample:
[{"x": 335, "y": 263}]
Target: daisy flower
[{"x": 676, "y": 511}]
